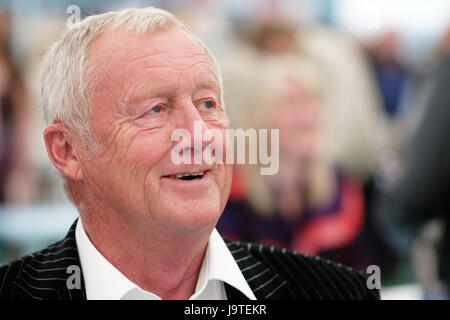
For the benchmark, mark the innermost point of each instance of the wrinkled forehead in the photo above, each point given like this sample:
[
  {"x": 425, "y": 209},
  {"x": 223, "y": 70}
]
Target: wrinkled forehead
[
  {"x": 123, "y": 49},
  {"x": 124, "y": 64}
]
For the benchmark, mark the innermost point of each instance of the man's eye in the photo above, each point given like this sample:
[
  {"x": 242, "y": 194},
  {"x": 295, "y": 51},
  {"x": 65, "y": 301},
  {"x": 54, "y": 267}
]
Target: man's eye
[
  {"x": 156, "y": 109},
  {"x": 208, "y": 104}
]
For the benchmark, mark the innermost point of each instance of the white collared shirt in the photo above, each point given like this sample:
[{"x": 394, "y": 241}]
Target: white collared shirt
[{"x": 103, "y": 281}]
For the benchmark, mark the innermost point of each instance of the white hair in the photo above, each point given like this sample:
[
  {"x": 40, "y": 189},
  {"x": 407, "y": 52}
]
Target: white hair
[{"x": 67, "y": 75}]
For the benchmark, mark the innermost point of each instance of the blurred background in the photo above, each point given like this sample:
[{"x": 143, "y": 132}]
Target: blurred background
[{"x": 359, "y": 90}]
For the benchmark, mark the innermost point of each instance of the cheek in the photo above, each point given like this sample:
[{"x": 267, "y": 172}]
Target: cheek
[
  {"x": 144, "y": 152},
  {"x": 224, "y": 179},
  {"x": 132, "y": 158},
  {"x": 128, "y": 174},
  {"x": 218, "y": 136},
  {"x": 228, "y": 180}
]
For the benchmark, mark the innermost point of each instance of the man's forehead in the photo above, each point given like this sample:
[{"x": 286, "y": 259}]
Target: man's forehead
[
  {"x": 126, "y": 63},
  {"x": 119, "y": 58},
  {"x": 122, "y": 46}
]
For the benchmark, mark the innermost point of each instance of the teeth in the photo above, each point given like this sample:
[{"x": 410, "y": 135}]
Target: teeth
[{"x": 189, "y": 174}]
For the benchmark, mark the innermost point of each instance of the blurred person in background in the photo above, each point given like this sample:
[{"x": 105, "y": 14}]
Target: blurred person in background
[
  {"x": 414, "y": 211},
  {"x": 16, "y": 177},
  {"x": 391, "y": 74},
  {"x": 310, "y": 205},
  {"x": 353, "y": 125}
]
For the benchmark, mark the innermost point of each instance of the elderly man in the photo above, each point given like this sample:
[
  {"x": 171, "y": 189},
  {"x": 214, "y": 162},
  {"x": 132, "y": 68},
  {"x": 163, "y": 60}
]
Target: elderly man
[{"x": 115, "y": 87}]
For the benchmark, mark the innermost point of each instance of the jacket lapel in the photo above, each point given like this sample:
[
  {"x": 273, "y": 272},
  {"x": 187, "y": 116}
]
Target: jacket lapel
[
  {"x": 54, "y": 273},
  {"x": 264, "y": 282}
]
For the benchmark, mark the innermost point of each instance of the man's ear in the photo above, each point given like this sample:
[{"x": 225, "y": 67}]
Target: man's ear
[{"x": 61, "y": 151}]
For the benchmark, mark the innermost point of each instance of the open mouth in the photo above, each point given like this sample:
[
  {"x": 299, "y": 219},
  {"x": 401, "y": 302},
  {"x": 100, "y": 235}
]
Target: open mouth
[{"x": 188, "y": 176}]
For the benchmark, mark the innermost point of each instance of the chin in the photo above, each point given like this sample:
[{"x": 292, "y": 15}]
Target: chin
[{"x": 194, "y": 215}]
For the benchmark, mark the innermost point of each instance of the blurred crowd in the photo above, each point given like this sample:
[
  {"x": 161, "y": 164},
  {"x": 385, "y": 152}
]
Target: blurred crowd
[{"x": 364, "y": 136}]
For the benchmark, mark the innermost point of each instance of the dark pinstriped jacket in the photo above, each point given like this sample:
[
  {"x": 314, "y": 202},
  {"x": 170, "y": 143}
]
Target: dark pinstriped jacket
[{"x": 272, "y": 273}]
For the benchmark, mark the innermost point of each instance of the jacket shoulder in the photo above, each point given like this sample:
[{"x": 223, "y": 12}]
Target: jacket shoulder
[
  {"x": 31, "y": 265},
  {"x": 311, "y": 277},
  {"x": 8, "y": 273}
]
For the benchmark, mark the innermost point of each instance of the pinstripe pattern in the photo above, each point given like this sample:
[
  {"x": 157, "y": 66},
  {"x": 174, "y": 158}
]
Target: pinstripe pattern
[
  {"x": 275, "y": 273},
  {"x": 272, "y": 273},
  {"x": 43, "y": 275}
]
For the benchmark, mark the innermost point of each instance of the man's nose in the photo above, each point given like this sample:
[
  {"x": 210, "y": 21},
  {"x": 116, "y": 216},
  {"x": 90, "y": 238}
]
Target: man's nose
[{"x": 191, "y": 120}]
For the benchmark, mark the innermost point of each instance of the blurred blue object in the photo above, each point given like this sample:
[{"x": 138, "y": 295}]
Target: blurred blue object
[{"x": 31, "y": 228}]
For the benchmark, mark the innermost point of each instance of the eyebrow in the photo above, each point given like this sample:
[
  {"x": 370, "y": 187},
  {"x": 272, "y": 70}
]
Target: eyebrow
[
  {"x": 209, "y": 84},
  {"x": 140, "y": 93}
]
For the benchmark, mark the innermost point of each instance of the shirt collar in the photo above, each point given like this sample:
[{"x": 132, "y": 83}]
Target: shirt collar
[
  {"x": 105, "y": 282},
  {"x": 219, "y": 265}
]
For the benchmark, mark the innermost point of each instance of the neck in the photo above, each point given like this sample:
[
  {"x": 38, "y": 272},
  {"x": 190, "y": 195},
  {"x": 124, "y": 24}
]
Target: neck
[{"x": 164, "y": 263}]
